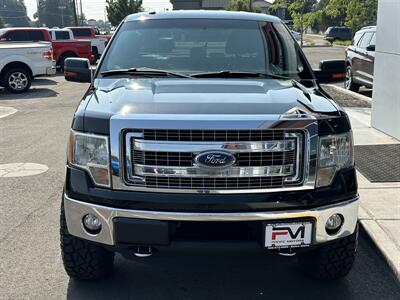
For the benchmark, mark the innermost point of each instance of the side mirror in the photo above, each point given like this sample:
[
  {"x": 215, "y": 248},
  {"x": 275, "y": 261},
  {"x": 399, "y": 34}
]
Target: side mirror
[
  {"x": 77, "y": 70},
  {"x": 331, "y": 70},
  {"x": 370, "y": 48}
]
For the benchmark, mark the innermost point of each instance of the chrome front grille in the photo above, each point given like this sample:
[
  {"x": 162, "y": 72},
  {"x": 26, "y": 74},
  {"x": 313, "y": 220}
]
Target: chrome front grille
[{"x": 165, "y": 159}]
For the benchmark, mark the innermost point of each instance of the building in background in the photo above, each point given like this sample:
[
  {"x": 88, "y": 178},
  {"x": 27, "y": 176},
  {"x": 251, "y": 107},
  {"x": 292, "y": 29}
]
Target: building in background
[
  {"x": 213, "y": 4},
  {"x": 386, "y": 92}
]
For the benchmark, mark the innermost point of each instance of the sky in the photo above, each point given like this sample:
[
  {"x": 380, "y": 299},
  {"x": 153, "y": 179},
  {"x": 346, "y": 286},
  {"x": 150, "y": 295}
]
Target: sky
[{"x": 94, "y": 9}]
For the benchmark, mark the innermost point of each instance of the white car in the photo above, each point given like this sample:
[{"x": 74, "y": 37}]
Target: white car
[{"x": 21, "y": 62}]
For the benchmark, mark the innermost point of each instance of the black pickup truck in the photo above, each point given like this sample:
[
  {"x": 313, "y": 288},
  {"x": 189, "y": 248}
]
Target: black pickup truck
[{"x": 207, "y": 128}]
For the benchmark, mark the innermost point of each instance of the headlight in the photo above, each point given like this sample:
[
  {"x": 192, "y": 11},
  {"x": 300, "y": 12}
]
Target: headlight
[
  {"x": 90, "y": 152},
  {"x": 335, "y": 152}
]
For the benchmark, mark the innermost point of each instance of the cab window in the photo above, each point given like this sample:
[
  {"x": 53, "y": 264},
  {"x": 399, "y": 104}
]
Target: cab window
[{"x": 364, "y": 42}]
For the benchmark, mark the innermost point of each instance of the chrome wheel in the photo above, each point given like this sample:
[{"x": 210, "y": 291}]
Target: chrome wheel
[
  {"x": 18, "y": 81},
  {"x": 347, "y": 83}
]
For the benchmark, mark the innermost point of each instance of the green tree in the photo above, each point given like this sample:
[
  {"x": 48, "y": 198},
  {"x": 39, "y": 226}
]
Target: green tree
[
  {"x": 1, "y": 23},
  {"x": 13, "y": 13},
  {"x": 117, "y": 10},
  {"x": 337, "y": 9},
  {"x": 54, "y": 13},
  {"x": 361, "y": 13},
  {"x": 300, "y": 11},
  {"x": 242, "y": 5}
]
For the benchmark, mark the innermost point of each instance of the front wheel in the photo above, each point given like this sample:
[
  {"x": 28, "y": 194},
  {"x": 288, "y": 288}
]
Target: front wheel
[
  {"x": 82, "y": 259},
  {"x": 17, "y": 80},
  {"x": 332, "y": 261}
]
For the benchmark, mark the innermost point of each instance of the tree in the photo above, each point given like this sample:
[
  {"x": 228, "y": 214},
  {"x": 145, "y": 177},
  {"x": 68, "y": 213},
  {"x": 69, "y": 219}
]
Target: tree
[
  {"x": 337, "y": 9},
  {"x": 242, "y": 5},
  {"x": 300, "y": 11},
  {"x": 54, "y": 13},
  {"x": 1, "y": 23},
  {"x": 13, "y": 13},
  {"x": 117, "y": 10},
  {"x": 361, "y": 13}
]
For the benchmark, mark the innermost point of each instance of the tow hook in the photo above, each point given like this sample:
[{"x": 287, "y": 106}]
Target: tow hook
[{"x": 143, "y": 252}]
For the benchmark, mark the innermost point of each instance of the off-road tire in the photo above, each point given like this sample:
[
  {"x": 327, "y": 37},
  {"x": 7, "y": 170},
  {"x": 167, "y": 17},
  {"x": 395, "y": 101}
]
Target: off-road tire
[
  {"x": 332, "y": 261},
  {"x": 27, "y": 80},
  {"x": 349, "y": 83},
  {"x": 83, "y": 260}
]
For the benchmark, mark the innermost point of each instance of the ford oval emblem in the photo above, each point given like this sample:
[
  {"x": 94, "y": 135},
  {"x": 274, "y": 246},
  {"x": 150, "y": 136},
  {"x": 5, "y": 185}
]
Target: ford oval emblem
[{"x": 215, "y": 159}]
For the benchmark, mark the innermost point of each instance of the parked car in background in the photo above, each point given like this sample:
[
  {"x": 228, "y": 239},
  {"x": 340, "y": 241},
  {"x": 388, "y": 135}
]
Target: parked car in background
[
  {"x": 62, "y": 48},
  {"x": 99, "y": 42},
  {"x": 21, "y": 62},
  {"x": 360, "y": 57},
  {"x": 339, "y": 34}
]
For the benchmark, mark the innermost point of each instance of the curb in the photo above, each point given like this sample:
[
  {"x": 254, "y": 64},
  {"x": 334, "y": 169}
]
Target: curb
[
  {"x": 380, "y": 238},
  {"x": 350, "y": 93},
  {"x": 317, "y": 46}
]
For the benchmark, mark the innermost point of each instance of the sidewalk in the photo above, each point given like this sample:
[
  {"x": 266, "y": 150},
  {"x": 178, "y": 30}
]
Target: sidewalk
[{"x": 379, "y": 212}]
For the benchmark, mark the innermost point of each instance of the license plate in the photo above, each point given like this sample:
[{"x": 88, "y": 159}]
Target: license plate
[{"x": 288, "y": 235}]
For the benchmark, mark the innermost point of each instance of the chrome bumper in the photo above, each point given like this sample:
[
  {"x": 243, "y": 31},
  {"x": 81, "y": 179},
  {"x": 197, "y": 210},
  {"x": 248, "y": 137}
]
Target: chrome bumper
[{"x": 75, "y": 210}]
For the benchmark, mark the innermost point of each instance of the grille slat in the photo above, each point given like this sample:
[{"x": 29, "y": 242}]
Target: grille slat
[
  {"x": 185, "y": 159},
  {"x": 211, "y": 135}
]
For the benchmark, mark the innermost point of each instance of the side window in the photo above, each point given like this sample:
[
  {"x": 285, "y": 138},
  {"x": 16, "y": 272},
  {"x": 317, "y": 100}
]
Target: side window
[
  {"x": 82, "y": 32},
  {"x": 16, "y": 36},
  {"x": 357, "y": 38},
  {"x": 373, "y": 39},
  {"x": 364, "y": 42},
  {"x": 62, "y": 35},
  {"x": 36, "y": 36}
]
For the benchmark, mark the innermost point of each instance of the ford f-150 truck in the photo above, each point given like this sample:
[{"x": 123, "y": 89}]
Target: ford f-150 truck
[
  {"x": 62, "y": 49},
  {"x": 21, "y": 62},
  {"x": 207, "y": 128}
]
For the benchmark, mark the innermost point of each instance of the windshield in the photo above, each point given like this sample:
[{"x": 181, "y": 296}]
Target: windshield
[{"x": 204, "y": 45}]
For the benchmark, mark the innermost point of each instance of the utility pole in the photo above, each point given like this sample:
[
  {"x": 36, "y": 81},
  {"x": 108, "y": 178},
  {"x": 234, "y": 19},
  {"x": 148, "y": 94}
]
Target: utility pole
[
  {"x": 81, "y": 13},
  {"x": 62, "y": 14},
  {"x": 75, "y": 15},
  {"x": 251, "y": 5}
]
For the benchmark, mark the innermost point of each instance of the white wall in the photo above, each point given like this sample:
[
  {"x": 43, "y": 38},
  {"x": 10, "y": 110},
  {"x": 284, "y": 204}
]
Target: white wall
[{"x": 386, "y": 92}]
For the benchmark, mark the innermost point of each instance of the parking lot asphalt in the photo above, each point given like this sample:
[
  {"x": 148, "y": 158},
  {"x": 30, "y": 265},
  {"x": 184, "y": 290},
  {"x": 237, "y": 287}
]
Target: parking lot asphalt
[{"x": 30, "y": 262}]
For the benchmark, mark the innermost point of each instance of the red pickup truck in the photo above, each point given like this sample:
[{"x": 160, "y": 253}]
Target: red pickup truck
[
  {"x": 99, "y": 42},
  {"x": 62, "y": 49}
]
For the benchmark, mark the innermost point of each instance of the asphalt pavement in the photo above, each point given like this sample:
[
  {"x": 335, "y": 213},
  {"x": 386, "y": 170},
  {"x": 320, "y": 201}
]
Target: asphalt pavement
[{"x": 30, "y": 262}]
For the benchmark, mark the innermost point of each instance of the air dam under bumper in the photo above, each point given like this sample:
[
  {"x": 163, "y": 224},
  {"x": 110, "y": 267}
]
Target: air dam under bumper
[{"x": 75, "y": 210}]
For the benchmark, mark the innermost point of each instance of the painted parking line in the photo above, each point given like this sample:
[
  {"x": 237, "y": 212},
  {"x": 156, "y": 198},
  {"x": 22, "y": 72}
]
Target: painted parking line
[
  {"x": 6, "y": 111},
  {"x": 21, "y": 169}
]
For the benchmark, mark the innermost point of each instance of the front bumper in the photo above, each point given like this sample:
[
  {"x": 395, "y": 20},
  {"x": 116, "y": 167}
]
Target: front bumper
[{"x": 75, "y": 210}]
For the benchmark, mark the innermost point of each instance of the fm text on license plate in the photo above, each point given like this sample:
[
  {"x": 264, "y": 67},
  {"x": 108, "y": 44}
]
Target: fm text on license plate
[{"x": 288, "y": 235}]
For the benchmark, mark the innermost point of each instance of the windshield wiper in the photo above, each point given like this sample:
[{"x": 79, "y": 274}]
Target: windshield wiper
[
  {"x": 238, "y": 74},
  {"x": 144, "y": 72}
]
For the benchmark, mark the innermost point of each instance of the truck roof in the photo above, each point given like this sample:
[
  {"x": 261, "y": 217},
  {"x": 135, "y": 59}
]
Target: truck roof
[{"x": 203, "y": 14}]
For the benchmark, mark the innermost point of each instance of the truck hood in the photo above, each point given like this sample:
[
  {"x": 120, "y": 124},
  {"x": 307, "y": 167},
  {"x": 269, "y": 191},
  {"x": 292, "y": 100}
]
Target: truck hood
[{"x": 112, "y": 96}]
